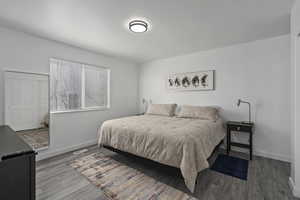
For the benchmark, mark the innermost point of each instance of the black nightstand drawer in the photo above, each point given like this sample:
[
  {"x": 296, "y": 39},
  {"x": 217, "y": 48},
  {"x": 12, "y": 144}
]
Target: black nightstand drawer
[{"x": 240, "y": 128}]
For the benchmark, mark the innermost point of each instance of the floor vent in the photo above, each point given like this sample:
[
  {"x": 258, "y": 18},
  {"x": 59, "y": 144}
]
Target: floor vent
[{"x": 80, "y": 151}]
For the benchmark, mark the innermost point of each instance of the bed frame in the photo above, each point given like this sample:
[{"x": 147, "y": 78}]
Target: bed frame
[{"x": 130, "y": 154}]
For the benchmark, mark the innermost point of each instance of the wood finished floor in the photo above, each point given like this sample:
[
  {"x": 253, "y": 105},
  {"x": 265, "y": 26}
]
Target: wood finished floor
[
  {"x": 267, "y": 179},
  {"x": 36, "y": 138}
]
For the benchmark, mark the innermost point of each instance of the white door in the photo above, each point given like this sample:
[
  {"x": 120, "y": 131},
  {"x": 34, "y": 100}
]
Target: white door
[{"x": 26, "y": 100}]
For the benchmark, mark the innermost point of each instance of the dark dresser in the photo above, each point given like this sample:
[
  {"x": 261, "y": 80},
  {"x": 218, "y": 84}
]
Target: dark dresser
[{"x": 17, "y": 167}]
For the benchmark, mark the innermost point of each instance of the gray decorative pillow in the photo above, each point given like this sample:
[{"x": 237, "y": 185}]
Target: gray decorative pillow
[
  {"x": 199, "y": 112},
  {"x": 161, "y": 109}
]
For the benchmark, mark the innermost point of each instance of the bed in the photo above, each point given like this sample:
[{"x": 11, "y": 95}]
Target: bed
[{"x": 184, "y": 143}]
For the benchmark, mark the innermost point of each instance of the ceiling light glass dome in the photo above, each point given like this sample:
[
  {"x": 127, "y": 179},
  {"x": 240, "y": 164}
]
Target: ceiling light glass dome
[{"x": 138, "y": 26}]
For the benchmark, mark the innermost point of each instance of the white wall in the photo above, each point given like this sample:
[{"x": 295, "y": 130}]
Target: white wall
[
  {"x": 69, "y": 130},
  {"x": 258, "y": 71},
  {"x": 295, "y": 80}
]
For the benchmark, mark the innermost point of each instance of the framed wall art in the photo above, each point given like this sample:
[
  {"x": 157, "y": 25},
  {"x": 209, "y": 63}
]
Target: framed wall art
[{"x": 200, "y": 80}]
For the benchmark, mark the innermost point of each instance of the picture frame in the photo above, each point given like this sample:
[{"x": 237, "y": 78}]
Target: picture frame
[{"x": 200, "y": 80}]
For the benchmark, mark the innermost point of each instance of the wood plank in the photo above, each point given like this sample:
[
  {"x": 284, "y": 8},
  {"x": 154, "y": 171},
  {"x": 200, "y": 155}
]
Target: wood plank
[{"x": 267, "y": 179}]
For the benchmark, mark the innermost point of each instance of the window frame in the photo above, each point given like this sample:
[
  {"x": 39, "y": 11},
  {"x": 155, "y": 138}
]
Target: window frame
[{"x": 83, "y": 109}]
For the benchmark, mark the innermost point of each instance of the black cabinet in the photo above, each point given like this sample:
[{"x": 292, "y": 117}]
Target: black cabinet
[
  {"x": 240, "y": 127},
  {"x": 17, "y": 167}
]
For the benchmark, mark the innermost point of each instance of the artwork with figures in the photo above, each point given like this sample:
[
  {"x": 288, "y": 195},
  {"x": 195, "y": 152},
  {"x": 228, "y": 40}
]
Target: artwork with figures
[{"x": 201, "y": 80}]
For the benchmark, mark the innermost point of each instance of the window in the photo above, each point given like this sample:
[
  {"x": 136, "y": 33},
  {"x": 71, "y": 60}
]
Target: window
[{"x": 76, "y": 86}]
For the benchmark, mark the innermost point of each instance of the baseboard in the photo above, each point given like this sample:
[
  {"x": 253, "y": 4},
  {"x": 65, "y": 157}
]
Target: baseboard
[
  {"x": 295, "y": 190},
  {"x": 262, "y": 154},
  {"x": 272, "y": 156},
  {"x": 45, "y": 154},
  {"x": 48, "y": 153}
]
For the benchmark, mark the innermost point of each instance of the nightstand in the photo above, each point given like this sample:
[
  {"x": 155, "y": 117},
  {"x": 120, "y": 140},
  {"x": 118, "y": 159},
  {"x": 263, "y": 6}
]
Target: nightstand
[{"x": 240, "y": 127}]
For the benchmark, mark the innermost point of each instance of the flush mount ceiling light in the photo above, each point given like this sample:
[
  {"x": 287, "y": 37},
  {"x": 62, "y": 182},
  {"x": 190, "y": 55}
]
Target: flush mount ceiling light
[{"x": 138, "y": 26}]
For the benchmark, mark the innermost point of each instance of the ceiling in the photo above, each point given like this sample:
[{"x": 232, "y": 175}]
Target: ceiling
[{"x": 176, "y": 26}]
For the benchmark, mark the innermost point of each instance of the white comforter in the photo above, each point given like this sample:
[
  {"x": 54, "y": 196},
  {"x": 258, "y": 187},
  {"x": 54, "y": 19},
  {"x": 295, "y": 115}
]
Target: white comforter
[{"x": 178, "y": 142}]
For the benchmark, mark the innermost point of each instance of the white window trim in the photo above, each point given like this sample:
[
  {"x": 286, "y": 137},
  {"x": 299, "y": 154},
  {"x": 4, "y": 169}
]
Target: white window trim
[
  {"x": 100, "y": 108},
  {"x": 83, "y": 87},
  {"x": 83, "y": 109}
]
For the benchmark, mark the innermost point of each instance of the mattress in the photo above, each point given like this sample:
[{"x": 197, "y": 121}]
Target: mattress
[{"x": 179, "y": 142}]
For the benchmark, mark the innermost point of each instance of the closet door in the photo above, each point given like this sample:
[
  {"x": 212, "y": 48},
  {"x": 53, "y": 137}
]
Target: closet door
[{"x": 26, "y": 100}]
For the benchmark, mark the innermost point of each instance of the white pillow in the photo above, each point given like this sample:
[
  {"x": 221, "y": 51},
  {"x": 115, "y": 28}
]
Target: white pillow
[
  {"x": 199, "y": 112},
  {"x": 161, "y": 109}
]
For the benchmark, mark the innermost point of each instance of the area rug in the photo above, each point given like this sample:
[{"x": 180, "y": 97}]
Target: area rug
[
  {"x": 121, "y": 182},
  {"x": 231, "y": 166}
]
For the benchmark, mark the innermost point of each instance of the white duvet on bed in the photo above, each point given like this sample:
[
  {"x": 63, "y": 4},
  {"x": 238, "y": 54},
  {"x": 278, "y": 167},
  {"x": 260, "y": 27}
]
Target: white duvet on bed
[{"x": 178, "y": 142}]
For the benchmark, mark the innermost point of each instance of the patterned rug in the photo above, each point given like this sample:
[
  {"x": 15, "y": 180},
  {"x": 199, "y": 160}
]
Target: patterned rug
[{"x": 120, "y": 182}]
